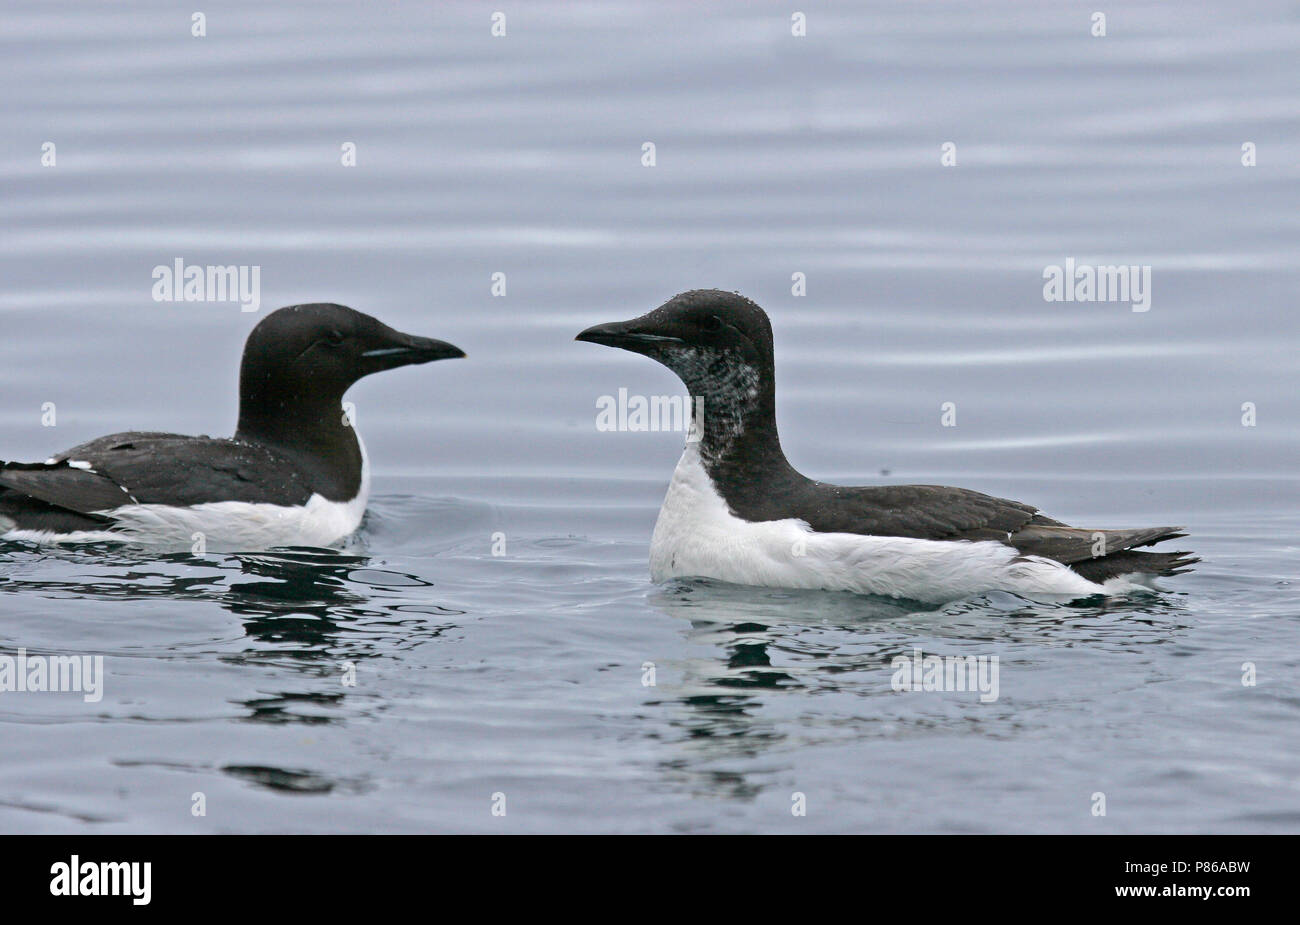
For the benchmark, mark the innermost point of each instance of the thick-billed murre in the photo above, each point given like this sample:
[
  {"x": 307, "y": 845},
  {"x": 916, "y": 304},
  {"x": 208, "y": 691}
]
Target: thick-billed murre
[
  {"x": 737, "y": 511},
  {"x": 295, "y": 472}
]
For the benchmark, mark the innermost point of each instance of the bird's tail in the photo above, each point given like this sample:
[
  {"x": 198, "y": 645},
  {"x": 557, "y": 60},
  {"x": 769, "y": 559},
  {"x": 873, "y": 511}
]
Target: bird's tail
[{"x": 1128, "y": 560}]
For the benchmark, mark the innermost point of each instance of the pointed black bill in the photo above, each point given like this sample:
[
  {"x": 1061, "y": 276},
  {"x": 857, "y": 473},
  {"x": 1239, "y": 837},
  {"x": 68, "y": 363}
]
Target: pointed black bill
[
  {"x": 408, "y": 349},
  {"x": 625, "y": 335}
]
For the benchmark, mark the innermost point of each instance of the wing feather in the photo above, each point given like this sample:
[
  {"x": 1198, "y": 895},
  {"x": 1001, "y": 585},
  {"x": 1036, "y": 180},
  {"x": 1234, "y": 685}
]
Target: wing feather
[
  {"x": 937, "y": 512},
  {"x": 154, "y": 468}
]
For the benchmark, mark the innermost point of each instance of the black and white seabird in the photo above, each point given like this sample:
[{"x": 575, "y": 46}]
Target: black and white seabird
[
  {"x": 295, "y": 472},
  {"x": 737, "y": 511}
]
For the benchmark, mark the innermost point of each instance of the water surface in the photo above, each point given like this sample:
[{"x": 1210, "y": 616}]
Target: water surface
[{"x": 522, "y": 674}]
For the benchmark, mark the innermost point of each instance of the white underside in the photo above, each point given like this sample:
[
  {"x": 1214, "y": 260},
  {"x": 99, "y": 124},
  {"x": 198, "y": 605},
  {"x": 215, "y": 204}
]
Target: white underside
[
  {"x": 696, "y": 536},
  {"x": 224, "y": 526}
]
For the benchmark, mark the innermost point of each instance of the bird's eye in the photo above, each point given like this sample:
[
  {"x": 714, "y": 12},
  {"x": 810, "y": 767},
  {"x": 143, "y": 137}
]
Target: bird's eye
[
  {"x": 711, "y": 323},
  {"x": 334, "y": 338}
]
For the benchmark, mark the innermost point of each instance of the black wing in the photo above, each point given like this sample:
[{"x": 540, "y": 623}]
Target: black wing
[
  {"x": 936, "y": 512},
  {"x": 926, "y": 512},
  {"x": 153, "y": 468}
]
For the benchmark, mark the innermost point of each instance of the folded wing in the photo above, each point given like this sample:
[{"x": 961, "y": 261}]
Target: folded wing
[
  {"x": 151, "y": 468},
  {"x": 936, "y": 512}
]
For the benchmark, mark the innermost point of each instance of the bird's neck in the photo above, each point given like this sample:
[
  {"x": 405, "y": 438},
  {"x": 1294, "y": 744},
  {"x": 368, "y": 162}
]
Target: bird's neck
[
  {"x": 309, "y": 426},
  {"x": 736, "y": 430}
]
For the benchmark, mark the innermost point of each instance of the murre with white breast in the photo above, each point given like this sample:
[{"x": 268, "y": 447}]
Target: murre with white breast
[
  {"x": 737, "y": 511},
  {"x": 295, "y": 472}
]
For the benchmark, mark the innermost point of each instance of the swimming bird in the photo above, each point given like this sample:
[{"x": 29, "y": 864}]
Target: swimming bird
[
  {"x": 294, "y": 473},
  {"x": 737, "y": 511}
]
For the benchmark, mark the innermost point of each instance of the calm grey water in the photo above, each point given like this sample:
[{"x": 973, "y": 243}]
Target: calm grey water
[{"x": 522, "y": 674}]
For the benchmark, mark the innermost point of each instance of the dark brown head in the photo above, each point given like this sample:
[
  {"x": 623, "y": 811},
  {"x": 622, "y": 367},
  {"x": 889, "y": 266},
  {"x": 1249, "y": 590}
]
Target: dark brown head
[
  {"x": 300, "y": 360},
  {"x": 720, "y": 345},
  {"x": 716, "y": 342}
]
